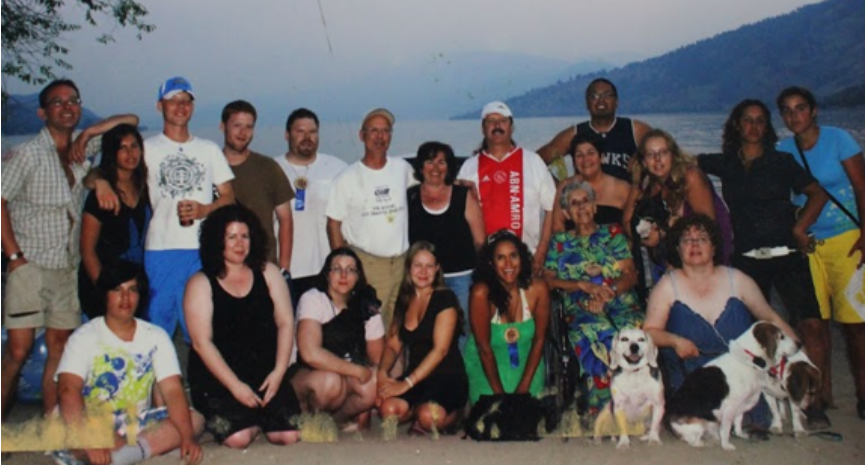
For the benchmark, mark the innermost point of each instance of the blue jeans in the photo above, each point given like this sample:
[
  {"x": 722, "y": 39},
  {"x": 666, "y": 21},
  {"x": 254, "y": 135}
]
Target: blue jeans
[{"x": 461, "y": 285}]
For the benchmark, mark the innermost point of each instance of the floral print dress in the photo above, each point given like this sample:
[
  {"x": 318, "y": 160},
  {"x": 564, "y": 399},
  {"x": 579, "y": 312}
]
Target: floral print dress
[{"x": 594, "y": 258}]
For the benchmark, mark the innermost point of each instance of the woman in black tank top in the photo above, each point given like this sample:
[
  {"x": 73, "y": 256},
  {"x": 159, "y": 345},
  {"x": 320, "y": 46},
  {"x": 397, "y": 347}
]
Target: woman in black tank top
[{"x": 239, "y": 316}]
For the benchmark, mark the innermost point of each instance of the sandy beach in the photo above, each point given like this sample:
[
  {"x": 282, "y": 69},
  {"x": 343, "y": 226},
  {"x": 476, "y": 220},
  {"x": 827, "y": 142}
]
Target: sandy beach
[{"x": 370, "y": 448}]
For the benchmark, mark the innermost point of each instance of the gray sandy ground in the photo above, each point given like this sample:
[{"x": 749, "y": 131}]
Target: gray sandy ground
[{"x": 370, "y": 448}]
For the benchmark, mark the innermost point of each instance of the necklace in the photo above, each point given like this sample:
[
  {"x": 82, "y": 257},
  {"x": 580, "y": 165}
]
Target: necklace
[
  {"x": 301, "y": 181},
  {"x": 746, "y": 160}
]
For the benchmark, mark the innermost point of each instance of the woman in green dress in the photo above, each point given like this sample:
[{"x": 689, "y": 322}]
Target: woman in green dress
[{"x": 508, "y": 312}]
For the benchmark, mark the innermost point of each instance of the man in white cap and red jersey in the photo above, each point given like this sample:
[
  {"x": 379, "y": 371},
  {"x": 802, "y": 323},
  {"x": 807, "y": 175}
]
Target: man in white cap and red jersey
[{"x": 515, "y": 189}]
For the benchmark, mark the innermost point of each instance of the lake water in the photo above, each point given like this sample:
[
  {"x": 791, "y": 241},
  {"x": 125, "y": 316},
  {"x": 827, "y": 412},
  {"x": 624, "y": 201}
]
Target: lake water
[{"x": 696, "y": 133}]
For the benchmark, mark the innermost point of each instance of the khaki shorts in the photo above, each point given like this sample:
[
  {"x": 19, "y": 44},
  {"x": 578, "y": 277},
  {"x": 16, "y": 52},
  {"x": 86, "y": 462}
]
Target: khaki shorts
[
  {"x": 37, "y": 297},
  {"x": 832, "y": 268}
]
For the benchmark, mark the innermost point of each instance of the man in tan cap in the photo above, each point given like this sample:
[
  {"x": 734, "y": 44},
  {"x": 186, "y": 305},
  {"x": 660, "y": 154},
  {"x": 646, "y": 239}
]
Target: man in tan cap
[{"x": 367, "y": 209}]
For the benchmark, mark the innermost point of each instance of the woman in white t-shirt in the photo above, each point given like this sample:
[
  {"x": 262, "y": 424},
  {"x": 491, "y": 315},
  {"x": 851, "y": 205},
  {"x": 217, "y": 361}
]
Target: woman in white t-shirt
[{"x": 340, "y": 337}]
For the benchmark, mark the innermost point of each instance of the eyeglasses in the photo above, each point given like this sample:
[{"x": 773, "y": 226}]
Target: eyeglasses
[
  {"x": 378, "y": 131},
  {"x": 496, "y": 121},
  {"x": 659, "y": 154},
  {"x": 596, "y": 96},
  {"x": 59, "y": 103},
  {"x": 349, "y": 270},
  {"x": 585, "y": 203},
  {"x": 703, "y": 240}
]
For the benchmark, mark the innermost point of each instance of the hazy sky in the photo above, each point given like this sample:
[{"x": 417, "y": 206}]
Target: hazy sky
[{"x": 247, "y": 48}]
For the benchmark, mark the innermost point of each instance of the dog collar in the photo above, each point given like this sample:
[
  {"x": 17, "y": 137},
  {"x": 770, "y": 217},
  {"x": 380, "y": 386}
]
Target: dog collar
[
  {"x": 778, "y": 371},
  {"x": 752, "y": 357}
]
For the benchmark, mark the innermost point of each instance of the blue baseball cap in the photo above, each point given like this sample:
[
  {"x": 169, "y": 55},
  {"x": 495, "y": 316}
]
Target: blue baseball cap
[{"x": 174, "y": 86}]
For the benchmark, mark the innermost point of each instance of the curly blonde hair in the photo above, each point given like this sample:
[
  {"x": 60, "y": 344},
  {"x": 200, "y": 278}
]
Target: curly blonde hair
[{"x": 675, "y": 183}]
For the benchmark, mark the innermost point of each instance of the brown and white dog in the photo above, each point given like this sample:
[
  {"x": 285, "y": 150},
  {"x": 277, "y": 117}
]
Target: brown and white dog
[
  {"x": 795, "y": 381},
  {"x": 714, "y": 398},
  {"x": 636, "y": 387}
]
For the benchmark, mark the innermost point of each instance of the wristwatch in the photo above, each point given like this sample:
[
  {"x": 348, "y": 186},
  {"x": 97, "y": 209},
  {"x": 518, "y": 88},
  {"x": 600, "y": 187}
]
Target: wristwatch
[{"x": 16, "y": 256}]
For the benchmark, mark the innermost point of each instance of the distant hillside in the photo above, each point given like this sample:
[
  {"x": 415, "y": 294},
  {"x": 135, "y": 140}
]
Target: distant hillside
[
  {"x": 819, "y": 46},
  {"x": 19, "y": 116}
]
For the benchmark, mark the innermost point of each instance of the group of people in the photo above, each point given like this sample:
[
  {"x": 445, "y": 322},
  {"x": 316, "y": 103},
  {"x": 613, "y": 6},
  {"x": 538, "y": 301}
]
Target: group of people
[{"x": 305, "y": 285}]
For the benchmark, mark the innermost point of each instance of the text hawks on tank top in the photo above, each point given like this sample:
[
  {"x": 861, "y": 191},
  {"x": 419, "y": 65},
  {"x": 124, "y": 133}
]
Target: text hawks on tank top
[
  {"x": 619, "y": 146},
  {"x": 501, "y": 190}
]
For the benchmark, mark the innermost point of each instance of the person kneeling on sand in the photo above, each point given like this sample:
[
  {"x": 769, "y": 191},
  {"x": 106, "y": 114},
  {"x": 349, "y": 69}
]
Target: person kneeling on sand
[
  {"x": 340, "y": 337},
  {"x": 433, "y": 388},
  {"x": 111, "y": 364}
]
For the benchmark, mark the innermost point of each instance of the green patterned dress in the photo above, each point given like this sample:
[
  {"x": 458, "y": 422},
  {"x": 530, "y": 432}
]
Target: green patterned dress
[{"x": 594, "y": 258}]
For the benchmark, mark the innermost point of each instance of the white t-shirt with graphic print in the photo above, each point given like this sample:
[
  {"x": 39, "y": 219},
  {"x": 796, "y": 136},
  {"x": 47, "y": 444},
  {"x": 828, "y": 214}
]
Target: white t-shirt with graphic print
[{"x": 180, "y": 171}]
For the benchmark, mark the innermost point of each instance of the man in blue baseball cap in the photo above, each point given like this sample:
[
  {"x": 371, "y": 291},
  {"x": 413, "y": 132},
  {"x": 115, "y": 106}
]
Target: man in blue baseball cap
[{"x": 182, "y": 173}]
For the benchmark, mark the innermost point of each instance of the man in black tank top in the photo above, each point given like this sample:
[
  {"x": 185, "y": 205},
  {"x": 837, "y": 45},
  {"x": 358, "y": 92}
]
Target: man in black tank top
[{"x": 621, "y": 135}]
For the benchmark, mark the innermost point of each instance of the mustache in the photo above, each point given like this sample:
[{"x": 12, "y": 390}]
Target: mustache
[{"x": 498, "y": 131}]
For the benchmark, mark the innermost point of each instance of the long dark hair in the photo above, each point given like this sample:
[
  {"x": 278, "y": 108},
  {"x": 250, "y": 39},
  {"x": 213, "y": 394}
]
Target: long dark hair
[
  {"x": 213, "y": 239},
  {"x": 485, "y": 272},
  {"x": 108, "y": 165},
  {"x": 363, "y": 295},
  {"x": 731, "y": 140},
  {"x": 407, "y": 288}
]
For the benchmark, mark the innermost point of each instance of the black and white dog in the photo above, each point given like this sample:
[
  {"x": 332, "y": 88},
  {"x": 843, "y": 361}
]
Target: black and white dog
[
  {"x": 795, "y": 381},
  {"x": 636, "y": 387},
  {"x": 714, "y": 398}
]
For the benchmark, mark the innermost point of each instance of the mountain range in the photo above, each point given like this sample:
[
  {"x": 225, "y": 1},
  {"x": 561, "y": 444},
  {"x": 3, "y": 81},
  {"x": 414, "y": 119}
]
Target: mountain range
[{"x": 819, "y": 46}]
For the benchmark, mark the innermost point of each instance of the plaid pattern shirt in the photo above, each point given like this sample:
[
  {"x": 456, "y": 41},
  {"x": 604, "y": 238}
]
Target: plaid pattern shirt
[{"x": 45, "y": 212}]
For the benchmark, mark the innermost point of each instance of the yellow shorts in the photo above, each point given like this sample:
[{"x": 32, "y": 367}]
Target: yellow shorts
[{"x": 832, "y": 268}]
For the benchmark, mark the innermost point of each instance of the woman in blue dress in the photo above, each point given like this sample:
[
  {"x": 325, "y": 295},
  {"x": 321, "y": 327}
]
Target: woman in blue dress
[{"x": 700, "y": 305}]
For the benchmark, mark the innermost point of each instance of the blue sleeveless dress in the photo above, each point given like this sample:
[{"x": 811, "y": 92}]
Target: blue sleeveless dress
[{"x": 712, "y": 341}]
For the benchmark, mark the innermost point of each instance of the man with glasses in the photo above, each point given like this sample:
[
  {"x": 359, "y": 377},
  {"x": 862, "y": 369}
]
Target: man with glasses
[
  {"x": 514, "y": 187},
  {"x": 621, "y": 135},
  {"x": 42, "y": 200},
  {"x": 367, "y": 209}
]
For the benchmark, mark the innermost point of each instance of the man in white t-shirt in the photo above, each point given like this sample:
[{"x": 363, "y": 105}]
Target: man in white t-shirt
[
  {"x": 514, "y": 186},
  {"x": 111, "y": 366},
  {"x": 182, "y": 173},
  {"x": 367, "y": 209},
  {"x": 311, "y": 174}
]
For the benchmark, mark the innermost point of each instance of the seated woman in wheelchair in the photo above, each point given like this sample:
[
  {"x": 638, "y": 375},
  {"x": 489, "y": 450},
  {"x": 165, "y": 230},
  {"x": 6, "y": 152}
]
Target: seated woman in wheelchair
[
  {"x": 509, "y": 314},
  {"x": 592, "y": 266}
]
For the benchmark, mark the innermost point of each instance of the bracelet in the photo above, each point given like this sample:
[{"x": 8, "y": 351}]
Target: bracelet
[{"x": 409, "y": 381}]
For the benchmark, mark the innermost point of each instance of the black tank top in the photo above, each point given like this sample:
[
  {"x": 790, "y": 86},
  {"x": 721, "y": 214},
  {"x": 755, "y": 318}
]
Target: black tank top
[
  {"x": 244, "y": 332},
  {"x": 448, "y": 231},
  {"x": 619, "y": 146}
]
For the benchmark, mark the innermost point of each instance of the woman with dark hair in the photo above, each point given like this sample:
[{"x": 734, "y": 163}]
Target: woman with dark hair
[
  {"x": 447, "y": 216},
  {"x": 117, "y": 363},
  {"x": 340, "y": 340},
  {"x": 611, "y": 193},
  {"x": 700, "y": 304},
  {"x": 592, "y": 265},
  {"x": 770, "y": 240},
  {"x": 107, "y": 237},
  {"x": 509, "y": 314},
  {"x": 239, "y": 317},
  {"x": 426, "y": 323},
  {"x": 835, "y": 160},
  {"x": 668, "y": 185}
]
